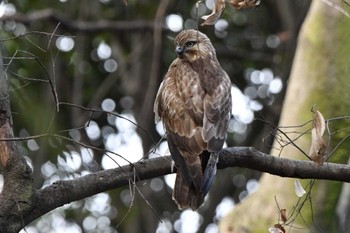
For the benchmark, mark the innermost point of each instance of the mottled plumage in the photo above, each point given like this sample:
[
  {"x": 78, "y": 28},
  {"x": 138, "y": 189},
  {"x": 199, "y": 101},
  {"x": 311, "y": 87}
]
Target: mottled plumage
[{"x": 194, "y": 104}]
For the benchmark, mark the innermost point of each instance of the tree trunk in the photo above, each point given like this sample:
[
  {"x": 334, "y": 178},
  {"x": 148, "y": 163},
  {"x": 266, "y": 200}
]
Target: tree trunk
[
  {"x": 16, "y": 195},
  {"x": 320, "y": 76}
]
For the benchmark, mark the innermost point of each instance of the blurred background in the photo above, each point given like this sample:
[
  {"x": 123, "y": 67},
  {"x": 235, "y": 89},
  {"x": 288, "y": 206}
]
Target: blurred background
[{"x": 103, "y": 61}]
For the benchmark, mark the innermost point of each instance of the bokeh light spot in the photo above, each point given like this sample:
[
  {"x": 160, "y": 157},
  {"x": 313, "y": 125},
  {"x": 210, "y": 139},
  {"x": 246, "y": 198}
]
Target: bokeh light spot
[
  {"x": 156, "y": 184},
  {"x": 93, "y": 131},
  {"x": 32, "y": 145},
  {"x": 104, "y": 51},
  {"x": 221, "y": 25},
  {"x": 275, "y": 86},
  {"x": 110, "y": 65},
  {"x": 108, "y": 105},
  {"x": 64, "y": 44},
  {"x": 224, "y": 207},
  {"x": 174, "y": 22}
]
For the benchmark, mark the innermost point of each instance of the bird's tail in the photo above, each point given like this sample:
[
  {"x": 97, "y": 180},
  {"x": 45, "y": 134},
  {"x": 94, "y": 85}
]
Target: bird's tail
[
  {"x": 185, "y": 195},
  {"x": 209, "y": 173}
]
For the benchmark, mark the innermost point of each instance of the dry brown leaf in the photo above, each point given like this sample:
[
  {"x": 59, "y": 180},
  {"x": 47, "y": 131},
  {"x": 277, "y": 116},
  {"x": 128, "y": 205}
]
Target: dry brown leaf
[
  {"x": 284, "y": 215},
  {"x": 218, "y": 8},
  {"x": 318, "y": 147},
  {"x": 280, "y": 227},
  {"x": 239, "y": 4},
  {"x": 274, "y": 230}
]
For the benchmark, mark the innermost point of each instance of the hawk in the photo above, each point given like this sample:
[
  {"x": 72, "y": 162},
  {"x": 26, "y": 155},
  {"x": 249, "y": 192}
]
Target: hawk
[{"x": 194, "y": 104}]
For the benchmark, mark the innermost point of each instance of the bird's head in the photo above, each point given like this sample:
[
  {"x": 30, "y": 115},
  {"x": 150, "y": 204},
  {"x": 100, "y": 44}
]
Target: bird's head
[{"x": 192, "y": 45}]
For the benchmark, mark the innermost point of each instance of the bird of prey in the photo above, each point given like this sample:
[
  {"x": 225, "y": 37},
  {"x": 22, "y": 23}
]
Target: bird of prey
[{"x": 194, "y": 104}]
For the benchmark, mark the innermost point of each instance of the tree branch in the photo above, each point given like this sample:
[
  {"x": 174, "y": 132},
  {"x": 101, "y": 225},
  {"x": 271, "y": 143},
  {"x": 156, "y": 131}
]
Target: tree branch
[
  {"x": 83, "y": 26},
  {"x": 64, "y": 192},
  {"x": 249, "y": 157}
]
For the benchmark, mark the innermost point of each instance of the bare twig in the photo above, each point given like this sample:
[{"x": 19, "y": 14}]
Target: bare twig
[
  {"x": 346, "y": 2},
  {"x": 93, "y": 110},
  {"x": 47, "y": 135},
  {"x": 337, "y": 7},
  {"x": 132, "y": 187},
  {"x": 337, "y": 146},
  {"x": 49, "y": 34},
  {"x": 84, "y": 26},
  {"x": 53, "y": 89},
  {"x": 290, "y": 141}
]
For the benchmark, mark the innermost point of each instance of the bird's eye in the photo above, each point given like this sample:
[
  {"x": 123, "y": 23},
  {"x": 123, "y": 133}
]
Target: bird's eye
[{"x": 190, "y": 43}]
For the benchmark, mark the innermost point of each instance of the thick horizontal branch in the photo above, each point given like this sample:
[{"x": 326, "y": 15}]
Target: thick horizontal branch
[
  {"x": 64, "y": 192},
  {"x": 83, "y": 26},
  {"x": 249, "y": 157}
]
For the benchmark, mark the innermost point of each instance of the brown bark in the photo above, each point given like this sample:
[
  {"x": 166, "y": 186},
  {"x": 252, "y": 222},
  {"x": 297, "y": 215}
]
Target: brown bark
[{"x": 16, "y": 196}]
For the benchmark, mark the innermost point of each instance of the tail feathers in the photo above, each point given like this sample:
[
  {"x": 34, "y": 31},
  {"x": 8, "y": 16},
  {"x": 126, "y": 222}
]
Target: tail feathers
[
  {"x": 185, "y": 195},
  {"x": 209, "y": 173}
]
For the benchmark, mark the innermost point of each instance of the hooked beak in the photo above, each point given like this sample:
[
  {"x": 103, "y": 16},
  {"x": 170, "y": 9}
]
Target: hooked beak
[{"x": 179, "y": 51}]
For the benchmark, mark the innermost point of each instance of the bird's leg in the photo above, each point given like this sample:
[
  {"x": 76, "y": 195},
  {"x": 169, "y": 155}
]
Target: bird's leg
[{"x": 209, "y": 173}]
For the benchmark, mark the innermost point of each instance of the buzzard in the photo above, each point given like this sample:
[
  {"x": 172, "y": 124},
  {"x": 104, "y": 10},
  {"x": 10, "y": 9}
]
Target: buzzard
[{"x": 194, "y": 104}]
